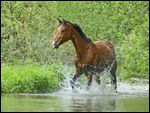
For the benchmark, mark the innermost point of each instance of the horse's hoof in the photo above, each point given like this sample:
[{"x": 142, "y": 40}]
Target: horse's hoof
[
  {"x": 87, "y": 88},
  {"x": 72, "y": 84}
]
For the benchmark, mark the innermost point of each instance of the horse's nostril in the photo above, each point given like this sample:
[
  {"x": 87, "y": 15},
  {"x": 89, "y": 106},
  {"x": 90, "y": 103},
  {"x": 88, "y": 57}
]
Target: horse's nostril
[{"x": 55, "y": 44}]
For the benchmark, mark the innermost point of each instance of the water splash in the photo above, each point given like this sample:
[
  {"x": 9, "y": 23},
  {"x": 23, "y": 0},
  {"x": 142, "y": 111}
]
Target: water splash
[
  {"x": 81, "y": 87},
  {"x": 105, "y": 87}
]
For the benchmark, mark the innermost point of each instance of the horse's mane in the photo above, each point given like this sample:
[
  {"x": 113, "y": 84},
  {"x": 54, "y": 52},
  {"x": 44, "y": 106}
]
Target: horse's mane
[{"x": 78, "y": 28}]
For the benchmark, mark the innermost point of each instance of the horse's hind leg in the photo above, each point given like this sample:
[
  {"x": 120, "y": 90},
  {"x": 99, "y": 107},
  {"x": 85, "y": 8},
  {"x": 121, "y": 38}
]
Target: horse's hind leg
[
  {"x": 113, "y": 74},
  {"x": 98, "y": 79}
]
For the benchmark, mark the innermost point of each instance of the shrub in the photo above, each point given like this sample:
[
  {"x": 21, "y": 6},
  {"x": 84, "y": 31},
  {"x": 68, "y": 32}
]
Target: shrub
[{"x": 30, "y": 78}]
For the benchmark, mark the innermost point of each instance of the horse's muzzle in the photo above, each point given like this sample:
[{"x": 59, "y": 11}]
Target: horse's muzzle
[{"x": 55, "y": 44}]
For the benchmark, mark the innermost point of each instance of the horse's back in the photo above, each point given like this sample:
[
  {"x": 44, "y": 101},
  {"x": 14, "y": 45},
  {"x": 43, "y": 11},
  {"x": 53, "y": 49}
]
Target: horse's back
[{"x": 106, "y": 44}]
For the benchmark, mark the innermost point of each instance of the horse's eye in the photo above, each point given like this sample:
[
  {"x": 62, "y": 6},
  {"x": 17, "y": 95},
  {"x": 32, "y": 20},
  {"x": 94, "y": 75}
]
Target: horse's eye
[{"x": 62, "y": 31}]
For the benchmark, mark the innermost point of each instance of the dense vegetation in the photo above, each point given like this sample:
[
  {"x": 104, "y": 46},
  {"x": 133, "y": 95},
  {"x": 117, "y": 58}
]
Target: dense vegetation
[
  {"x": 30, "y": 78},
  {"x": 28, "y": 28}
]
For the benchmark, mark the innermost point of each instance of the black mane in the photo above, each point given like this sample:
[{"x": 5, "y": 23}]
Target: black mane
[{"x": 77, "y": 27}]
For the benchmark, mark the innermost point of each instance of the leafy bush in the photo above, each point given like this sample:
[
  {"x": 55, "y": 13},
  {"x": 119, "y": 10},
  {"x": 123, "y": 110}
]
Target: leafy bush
[{"x": 29, "y": 78}]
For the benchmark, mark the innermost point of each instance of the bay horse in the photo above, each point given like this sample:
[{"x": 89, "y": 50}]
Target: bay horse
[{"x": 90, "y": 58}]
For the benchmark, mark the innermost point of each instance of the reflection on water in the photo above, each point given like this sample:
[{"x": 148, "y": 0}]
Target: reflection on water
[
  {"x": 74, "y": 102},
  {"x": 93, "y": 103}
]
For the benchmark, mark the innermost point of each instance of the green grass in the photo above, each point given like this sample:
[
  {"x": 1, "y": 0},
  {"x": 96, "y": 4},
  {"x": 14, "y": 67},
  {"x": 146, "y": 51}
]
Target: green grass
[{"x": 30, "y": 78}]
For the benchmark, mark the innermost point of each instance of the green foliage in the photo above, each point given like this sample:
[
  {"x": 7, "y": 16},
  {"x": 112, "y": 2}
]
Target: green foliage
[
  {"x": 135, "y": 57},
  {"x": 28, "y": 27},
  {"x": 29, "y": 78}
]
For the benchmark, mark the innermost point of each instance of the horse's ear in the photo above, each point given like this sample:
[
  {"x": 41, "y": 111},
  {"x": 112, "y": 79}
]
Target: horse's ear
[
  {"x": 59, "y": 21},
  {"x": 64, "y": 21}
]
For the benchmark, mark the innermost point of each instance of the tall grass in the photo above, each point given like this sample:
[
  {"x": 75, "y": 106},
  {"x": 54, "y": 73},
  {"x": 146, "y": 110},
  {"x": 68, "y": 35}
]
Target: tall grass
[{"x": 30, "y": 78}]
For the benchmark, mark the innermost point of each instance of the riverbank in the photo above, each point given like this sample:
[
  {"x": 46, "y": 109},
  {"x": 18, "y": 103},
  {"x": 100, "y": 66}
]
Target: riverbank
[{"x": 35, "y": 78}]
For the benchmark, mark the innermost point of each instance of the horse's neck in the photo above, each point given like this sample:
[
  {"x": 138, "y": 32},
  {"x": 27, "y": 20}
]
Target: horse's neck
[{"x": 80, "y": 44}]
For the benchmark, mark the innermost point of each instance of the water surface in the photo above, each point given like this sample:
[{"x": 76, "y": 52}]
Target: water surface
[{"x": 128, "y": 99}]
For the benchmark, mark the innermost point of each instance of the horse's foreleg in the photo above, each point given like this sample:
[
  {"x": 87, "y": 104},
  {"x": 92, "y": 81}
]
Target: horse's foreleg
[
  {"x": 89, "y": 77},
  {"x": 77, "y": 75}
]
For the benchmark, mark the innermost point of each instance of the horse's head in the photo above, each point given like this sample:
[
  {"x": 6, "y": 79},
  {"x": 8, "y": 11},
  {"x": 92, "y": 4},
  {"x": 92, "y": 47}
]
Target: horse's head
[{"x": 63, "y": 34}]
